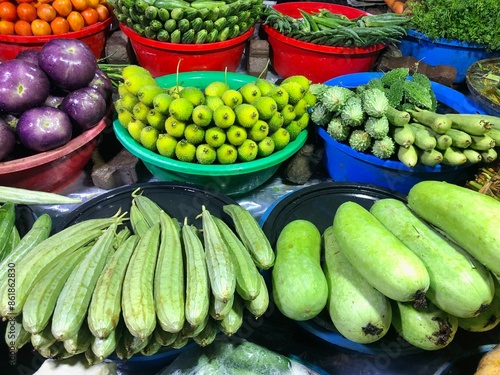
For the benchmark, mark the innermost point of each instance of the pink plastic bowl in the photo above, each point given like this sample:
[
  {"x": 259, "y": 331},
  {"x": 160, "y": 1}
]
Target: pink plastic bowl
[
  {"x": 162, "y": 58},
  {"x": 52, "y": 170},
  {"x": 94, "y": 36},
  {"x": 319, "y": 63}
]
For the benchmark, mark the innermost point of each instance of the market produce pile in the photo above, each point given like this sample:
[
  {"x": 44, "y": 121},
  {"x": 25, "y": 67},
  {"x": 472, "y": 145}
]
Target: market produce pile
[
  {"x": 57, "y": 17},
  {"x": 49, "y": 96},
  {"x": 100, "y": 288},
  {"x": 216, "y": 123},
  {"x": 396, "y": 264},
  {"x": 331, "y": 29},
  {"x": 397, "y": 116},
  {"x": 469, "y": 21},
  {"x": 194, "y": 22}
]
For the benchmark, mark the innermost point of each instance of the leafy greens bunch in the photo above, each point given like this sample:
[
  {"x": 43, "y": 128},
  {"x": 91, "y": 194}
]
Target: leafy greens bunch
[{"x": 470, "y": 21}]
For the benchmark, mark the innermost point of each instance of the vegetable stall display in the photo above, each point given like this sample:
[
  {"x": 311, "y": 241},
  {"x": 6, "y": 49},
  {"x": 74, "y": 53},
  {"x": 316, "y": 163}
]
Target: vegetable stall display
[
  {"x": 397, "y": 116},
  {"x": 132, "y": 289},
  {"x": 401, "y": 274}
]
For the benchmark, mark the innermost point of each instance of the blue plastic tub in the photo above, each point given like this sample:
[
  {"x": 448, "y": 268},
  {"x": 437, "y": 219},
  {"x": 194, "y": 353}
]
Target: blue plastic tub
[
  {"x": 461, "y": 55},
  {"x": 347, "y": 165}
]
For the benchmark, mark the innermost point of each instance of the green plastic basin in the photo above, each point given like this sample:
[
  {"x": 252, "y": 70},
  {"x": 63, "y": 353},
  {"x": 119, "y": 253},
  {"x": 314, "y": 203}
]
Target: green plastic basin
[{"x": 232, "y": 179}]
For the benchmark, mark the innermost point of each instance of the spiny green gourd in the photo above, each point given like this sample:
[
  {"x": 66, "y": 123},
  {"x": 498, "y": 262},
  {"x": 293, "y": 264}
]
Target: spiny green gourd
[
  {"x": 374, "y": 102},
  {"x": 335, "y": 97},
  {"x": 360, "y": 140},
  {"x": 384, "y": 148},
  {"x": 320, "y": 115},
  {"x": 352, "y": 112},
  {"x": 338, "y": 130},
  {"x": 377, "y": 127}
]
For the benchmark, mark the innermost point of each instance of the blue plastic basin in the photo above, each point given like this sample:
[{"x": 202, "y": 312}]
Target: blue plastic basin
[
  {"x": 458, "y": 54},
  {"x": 347, "y": 165}
]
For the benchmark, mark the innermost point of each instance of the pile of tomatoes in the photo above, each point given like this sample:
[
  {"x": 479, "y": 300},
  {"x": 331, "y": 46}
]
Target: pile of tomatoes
[{"x": 50, "y": 17}]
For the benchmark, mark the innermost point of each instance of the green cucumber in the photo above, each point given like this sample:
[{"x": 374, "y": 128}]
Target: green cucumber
[
  {"x": 436, "y": 121},
  {"x": 300, "y": 289},
  {"x": 359, "y": 311},
  {"x": 445, "y": 262},
  {"x": 381, "y": 257},
  {"x": 427, "y": 329},
  {"x": 469, "y": 218}
]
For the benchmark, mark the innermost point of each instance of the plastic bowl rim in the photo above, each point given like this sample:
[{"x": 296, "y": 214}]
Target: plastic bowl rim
[
  {"x": 42, "y": 158},
  {"x": 164, "y": 162},
  {"x": 84, "y": 32},
  {"x": 443, "y": 41},
  {"x": 182, "y": 47}
]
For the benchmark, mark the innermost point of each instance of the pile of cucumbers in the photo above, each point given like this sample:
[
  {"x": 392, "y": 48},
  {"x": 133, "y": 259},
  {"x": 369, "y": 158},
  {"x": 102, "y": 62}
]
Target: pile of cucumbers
[
  {"x": 101, "y": 288},
  {"x": 188, "y": 22}
]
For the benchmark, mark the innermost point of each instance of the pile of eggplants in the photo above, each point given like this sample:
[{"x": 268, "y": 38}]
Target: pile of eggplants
[{"x": 49, "y": 96}]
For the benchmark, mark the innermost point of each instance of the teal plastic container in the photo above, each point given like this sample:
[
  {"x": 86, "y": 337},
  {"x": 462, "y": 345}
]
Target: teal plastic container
[
  {"x": 232, "y": 179},
  {"x": 458, "y": 54},
  {"x": 347, "y": 165}
]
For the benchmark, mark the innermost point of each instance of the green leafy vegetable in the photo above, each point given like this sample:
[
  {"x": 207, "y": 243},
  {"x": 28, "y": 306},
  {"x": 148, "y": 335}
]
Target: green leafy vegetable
[{"x": 470, "y": 21}]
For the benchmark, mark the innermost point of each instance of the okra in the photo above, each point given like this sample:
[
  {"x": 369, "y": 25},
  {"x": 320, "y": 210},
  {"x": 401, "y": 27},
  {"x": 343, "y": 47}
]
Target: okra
[
  {"x": 247, "y": 275},
  {"x": 33, "y": 197},
  {"x": 232, "y": 322},
  {"x": 73, "y": 302},
  {"x": 259, "y": 305},
  {"x": 219, "y": 261},
  {"x": 197, "y": 282},
  {"x": 105, "y": 305},
  {"x": 169, "y": 286},
  {"x": 30, "y": 269},
  {"x": 42, "y": 299},
  {"x": 251, "y": 235},
  {"x": 79, "y": 342},
  {"x": 138, "y": 307}
]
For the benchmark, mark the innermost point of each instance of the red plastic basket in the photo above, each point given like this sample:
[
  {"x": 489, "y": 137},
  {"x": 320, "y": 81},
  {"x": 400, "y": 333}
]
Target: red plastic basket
[
  {"x": 162, "y": 58},
  {"x": 319, "y": 63},
  {"x": 94, "y": 36}
]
